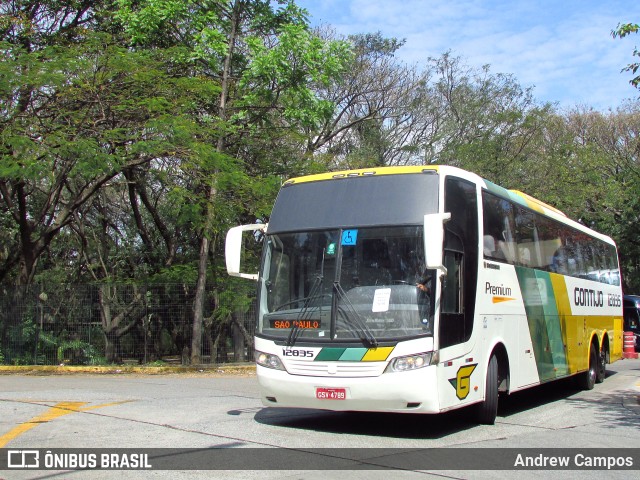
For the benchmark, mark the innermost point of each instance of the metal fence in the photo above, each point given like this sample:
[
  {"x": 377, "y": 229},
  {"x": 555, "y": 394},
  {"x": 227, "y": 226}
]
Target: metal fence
[{"x": 120, "y": 324}]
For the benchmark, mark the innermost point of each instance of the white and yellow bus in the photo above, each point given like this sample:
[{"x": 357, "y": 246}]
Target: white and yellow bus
[{"x": 425, "y": 289}]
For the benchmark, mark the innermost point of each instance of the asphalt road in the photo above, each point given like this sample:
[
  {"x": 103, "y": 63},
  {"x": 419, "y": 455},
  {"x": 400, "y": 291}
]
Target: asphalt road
[{"x": 201, "y": 410}]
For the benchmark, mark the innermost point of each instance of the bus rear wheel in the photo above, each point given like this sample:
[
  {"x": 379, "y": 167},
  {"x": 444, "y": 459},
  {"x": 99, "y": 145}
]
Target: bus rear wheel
[
  {"x": 488, "y": 409},
  {"x": 601, "y": 371},
  {"x": 588, "y": 378}
]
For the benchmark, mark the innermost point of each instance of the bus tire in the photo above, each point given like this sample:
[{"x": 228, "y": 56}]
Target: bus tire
[
  {"x": 488, "y": 409},
  {"x": 588, "y": 378},
  {"x": 602, "y": 369}
]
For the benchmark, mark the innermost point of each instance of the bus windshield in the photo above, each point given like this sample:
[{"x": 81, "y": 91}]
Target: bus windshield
[{"x": 345, "y": 285}]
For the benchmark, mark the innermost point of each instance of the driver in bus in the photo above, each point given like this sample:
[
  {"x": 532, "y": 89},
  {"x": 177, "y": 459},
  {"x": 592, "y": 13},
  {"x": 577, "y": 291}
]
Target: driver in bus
[{"x": 424, "y": 286}]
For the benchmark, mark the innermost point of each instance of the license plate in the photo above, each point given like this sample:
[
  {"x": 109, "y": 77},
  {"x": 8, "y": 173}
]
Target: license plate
[{"x": 331, "y": 393}]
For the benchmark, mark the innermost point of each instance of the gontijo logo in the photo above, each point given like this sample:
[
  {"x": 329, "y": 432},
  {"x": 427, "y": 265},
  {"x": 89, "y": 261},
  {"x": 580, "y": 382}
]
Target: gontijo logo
[
  {"x": 462, "y": 382},
  {"x": 586, "y": 297}
]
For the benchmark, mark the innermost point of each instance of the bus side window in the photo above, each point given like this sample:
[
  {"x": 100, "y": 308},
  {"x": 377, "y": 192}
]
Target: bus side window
[
  {"x": 525, "y": 237},
  {"x": 498, "y": 238}
]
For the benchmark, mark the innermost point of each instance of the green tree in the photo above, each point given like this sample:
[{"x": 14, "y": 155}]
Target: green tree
[
  {"x": 623, "y": 30},
  {"x": 485, "y": 121},
  {"x": 264, "y": 58},
  {"x": 83, "y": 114},
  {"x": 374, "y": 122},
  {"x": 31, "y": 34},
  {"x": 88, "y": 125},
  {"x": 611, "y": 141}
]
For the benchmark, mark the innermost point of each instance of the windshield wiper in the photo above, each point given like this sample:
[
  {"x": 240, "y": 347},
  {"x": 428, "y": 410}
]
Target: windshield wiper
[
  {"x": 353, "y": 318},
  {"x": 298, "y": 300},
  {"x": 305, "y": 313}
]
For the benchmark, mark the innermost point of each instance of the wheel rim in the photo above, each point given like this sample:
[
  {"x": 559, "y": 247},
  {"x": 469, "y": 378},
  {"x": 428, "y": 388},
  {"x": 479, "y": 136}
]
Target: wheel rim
[{"x": 592, "y": 366}]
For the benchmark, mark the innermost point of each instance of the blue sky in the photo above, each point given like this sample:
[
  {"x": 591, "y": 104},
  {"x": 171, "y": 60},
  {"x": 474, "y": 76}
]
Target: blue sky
[{"x": 561, "y": 48}]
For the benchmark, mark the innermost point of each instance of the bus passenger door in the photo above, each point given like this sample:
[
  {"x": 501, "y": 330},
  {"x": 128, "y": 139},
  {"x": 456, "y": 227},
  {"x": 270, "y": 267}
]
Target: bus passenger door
[
  {"x": 452, "y": 317},
  {"x": 458, "y": 296}
]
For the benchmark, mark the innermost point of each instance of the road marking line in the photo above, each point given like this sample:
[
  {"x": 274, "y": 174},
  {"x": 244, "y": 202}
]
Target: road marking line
[{"x": 58, "y": 410}]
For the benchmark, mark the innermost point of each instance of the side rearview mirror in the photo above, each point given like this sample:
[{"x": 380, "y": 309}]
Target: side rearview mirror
[
  {"x": 434, "y": 240},
  {"x": 233, "y": 249}
]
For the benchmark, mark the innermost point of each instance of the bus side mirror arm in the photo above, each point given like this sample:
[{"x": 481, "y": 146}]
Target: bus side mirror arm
[
  {"x": 233, "y": 249},
  {"x": 434, "y": 241}
]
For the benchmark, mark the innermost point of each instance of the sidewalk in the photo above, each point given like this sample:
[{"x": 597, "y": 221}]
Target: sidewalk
[{"x": 222, "y": 369}]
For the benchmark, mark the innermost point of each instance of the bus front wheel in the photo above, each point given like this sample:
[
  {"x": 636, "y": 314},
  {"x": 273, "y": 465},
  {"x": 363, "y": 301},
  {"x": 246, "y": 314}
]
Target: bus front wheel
[{"x": 488, "y": 409}]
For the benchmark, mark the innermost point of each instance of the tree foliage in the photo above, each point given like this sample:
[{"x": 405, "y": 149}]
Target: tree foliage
[
  {"x": 264, "y": 60},
  {"x": 133, "y": 134},
  {"x": 623, "y": 30}
]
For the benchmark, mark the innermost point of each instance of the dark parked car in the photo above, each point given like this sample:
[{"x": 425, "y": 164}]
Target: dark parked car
[{"x": 631, "y": 306}]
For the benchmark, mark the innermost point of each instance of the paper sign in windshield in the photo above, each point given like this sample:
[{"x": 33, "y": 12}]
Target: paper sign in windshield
[{"x": 381, "y": 300}]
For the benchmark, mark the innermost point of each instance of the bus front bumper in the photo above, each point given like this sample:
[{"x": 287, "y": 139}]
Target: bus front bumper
[{"x": 412, "y": 391}]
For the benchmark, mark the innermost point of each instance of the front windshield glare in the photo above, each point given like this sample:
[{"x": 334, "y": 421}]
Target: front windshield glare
[{"x": 351, "y": 284}]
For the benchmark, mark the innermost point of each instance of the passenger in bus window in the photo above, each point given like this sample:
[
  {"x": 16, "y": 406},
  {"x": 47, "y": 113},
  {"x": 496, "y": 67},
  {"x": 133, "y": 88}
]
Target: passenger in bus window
[
  {"x": 494, "y": 250},
  {"x": 525, "y": 255},
  {"x": 559, "y": 263},
  {"x": 489, "y": 246}
]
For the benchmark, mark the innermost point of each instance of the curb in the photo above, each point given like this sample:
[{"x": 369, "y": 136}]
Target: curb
[{"x": 222, "y": 369}]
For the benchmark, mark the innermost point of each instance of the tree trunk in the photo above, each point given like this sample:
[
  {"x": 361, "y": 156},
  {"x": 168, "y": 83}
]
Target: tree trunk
[
  {"x": 112, "y": 347},
  {"x": 205, "y": 242},
  {"x": 115, "y": 326},
  {"x": 238, "y": 341},
  {"x": 200, "y": 297}
]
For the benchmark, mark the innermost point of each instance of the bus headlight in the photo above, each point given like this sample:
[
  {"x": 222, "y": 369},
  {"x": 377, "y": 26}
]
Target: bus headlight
[
  {"x": 410, "y": 362},
  {"x": 269, "y": 361}
]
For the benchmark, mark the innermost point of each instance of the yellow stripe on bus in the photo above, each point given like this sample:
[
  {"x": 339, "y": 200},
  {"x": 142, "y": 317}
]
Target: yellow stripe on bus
[
  {"x": 568, "y": 323},
  {"x": 364, "y": 172},
  {"x": 377, "y": 354}
]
